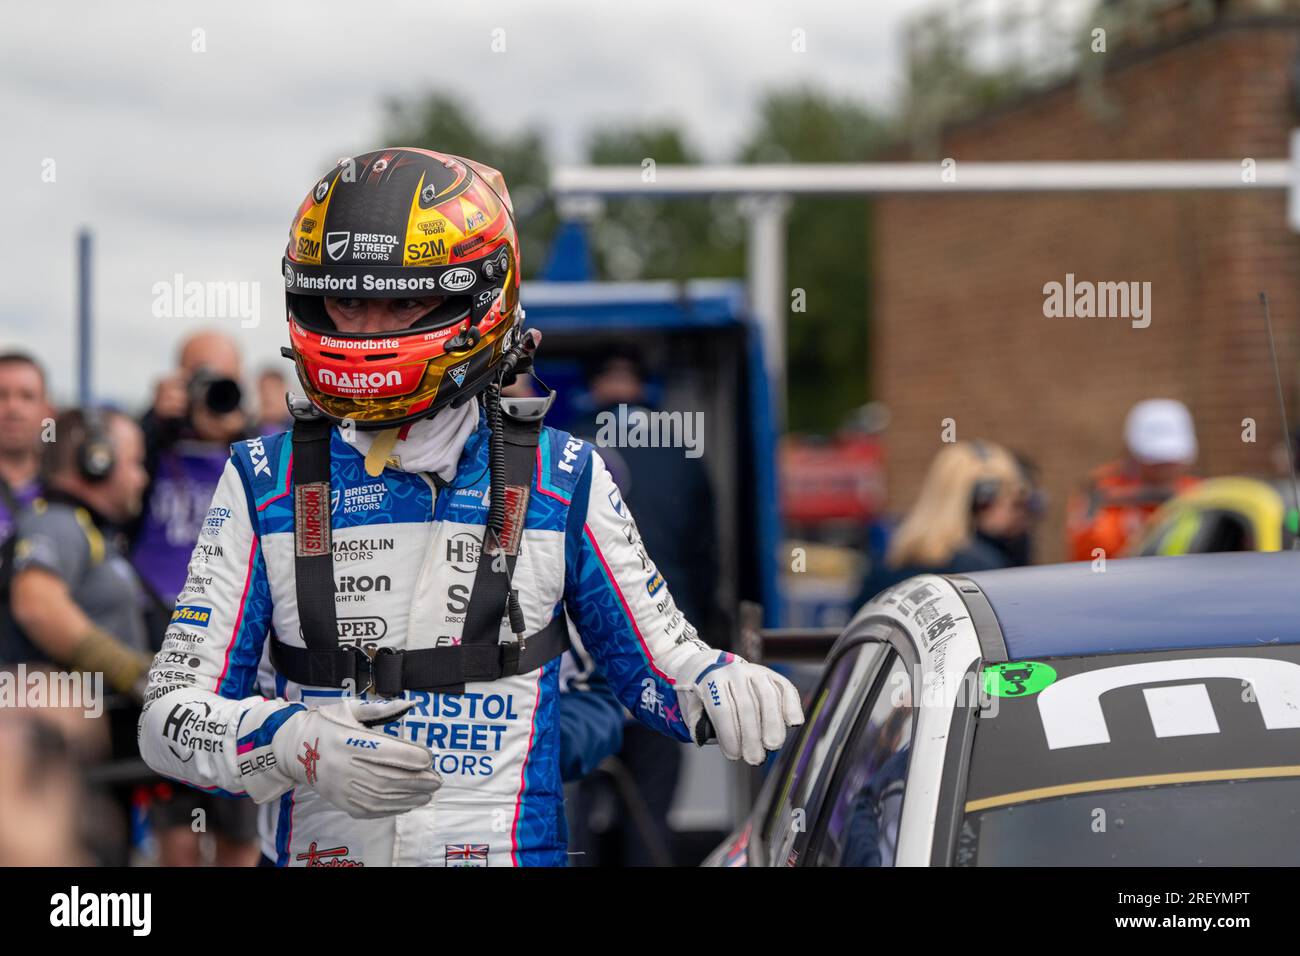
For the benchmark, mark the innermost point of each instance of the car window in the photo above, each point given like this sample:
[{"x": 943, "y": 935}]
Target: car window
[
  {"x": 829, "y": 720},
  {"x": 858, "y": 824},
  {"x": 1198, "y": 531}
]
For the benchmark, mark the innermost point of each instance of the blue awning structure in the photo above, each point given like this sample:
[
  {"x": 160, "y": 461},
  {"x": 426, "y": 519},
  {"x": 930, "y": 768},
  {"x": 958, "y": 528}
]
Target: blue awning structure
[{"x": 599, "y": 309}]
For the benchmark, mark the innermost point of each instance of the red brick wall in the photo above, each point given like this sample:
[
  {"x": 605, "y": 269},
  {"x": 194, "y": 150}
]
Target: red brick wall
[{"x": 958, "y": 325}]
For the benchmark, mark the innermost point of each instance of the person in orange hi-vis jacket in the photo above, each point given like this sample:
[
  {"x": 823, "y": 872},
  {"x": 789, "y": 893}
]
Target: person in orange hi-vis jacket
[{"x": 1121, "y": 496}]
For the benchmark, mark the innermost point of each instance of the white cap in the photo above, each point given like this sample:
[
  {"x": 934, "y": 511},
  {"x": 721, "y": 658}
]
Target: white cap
[{"x": 1159, "y": 431}]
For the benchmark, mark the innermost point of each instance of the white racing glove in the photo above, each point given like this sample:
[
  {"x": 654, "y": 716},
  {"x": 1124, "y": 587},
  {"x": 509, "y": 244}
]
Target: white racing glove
[
  {"x": 749, "y": 706},
  {"x": 364, "y": 772}
]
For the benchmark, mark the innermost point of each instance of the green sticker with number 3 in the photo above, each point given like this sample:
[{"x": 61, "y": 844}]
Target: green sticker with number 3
[{"x": 1019, "y": 679}]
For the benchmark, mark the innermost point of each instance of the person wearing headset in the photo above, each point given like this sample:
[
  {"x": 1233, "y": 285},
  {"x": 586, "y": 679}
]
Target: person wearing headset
[
  {"x": 968, "y": 514},
  {"x": 74, "y": 593}
]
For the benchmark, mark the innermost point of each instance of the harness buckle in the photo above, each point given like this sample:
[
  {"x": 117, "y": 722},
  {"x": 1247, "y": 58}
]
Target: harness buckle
[{"x": 363, "y": 659}]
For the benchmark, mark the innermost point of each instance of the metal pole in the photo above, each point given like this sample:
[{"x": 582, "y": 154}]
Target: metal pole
[
  {"x": 768, "y": 292},
  {"x": 825, "y": 179},
  {"x": 83, "y": 318}
]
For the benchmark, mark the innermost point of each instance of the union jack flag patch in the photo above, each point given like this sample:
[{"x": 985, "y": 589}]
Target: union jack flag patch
[{"x": 467, "y": 854}]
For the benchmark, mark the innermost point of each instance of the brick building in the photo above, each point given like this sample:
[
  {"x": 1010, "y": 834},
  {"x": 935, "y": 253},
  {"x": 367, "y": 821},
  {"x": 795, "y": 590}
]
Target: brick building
[{"x": 959, "y": 330}]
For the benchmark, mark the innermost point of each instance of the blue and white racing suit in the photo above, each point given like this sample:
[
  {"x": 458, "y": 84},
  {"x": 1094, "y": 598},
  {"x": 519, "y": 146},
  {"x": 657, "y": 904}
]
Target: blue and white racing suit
[{"x": 405, "y": 559}]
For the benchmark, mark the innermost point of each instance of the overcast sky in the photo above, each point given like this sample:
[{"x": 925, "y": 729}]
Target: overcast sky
[{"x": 193, "y": 163}]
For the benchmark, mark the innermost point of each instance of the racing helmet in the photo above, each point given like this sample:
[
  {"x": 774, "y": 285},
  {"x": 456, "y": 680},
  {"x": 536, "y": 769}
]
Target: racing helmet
[{"x": 402, "y": 223}]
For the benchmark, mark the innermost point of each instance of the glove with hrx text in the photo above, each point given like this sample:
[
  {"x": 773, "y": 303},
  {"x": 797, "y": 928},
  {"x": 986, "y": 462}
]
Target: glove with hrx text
[
  {"x": 362, "y": 771},
  {"x": 749, "y": 706}
]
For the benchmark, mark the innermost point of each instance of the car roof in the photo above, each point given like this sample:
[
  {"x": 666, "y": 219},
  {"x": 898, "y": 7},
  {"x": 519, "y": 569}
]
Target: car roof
[{"x": 1142, "y": 604}]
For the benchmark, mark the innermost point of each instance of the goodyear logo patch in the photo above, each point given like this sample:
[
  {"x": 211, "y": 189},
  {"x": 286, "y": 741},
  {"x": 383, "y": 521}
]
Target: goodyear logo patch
[
  {"x": 191, "y": 614},
  {"x": 655, "y": 584}
]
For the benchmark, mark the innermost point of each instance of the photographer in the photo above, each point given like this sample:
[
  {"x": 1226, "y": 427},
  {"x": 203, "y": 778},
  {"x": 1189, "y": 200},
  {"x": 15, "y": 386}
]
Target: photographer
[{"x": 197, "y": 412}]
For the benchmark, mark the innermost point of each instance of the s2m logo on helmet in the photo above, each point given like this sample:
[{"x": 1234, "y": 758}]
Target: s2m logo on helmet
[
  {"x": 457, "y": 280},
  {"x": 327, "y": 376}
]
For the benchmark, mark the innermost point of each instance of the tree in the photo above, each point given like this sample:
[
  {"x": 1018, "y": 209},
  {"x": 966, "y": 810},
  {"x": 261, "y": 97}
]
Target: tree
[
  {"x": 828, "y": 252},
  {"x": 438, "y": 121},
  {"x": 656, "y": 238},
  {"x": 828, "y": 240}
]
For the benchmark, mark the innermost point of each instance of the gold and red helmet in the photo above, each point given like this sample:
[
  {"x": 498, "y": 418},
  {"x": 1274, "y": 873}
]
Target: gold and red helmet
[{"x": 402, "y": 223}]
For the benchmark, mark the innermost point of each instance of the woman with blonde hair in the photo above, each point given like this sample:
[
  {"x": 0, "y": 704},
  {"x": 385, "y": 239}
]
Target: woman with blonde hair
[{"x": 970, "y": 510}]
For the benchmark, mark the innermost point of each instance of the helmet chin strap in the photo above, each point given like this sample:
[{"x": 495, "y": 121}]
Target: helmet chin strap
[{"x": 517, "y": 358}]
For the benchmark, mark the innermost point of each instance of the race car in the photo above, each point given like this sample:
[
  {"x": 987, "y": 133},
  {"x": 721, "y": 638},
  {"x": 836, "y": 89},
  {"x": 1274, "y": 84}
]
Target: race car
[
  {"x": 1222, "y": 514},
  {"x": 1147, "y": 714}
]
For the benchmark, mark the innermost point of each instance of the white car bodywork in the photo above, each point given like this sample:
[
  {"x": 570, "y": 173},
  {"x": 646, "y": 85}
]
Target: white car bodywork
[{"x": 937, "y": 689}]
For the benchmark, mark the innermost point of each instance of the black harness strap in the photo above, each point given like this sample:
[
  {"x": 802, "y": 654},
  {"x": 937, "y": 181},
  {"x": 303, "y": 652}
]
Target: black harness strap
[
  {"x": 479, "y": 657},
  {"x": 495, "y": 570},
  {"x": 314, "y": 557}
]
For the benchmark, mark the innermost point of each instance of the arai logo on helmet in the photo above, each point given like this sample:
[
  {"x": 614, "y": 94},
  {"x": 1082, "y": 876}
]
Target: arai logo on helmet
[{"x": 457, "y": 280}]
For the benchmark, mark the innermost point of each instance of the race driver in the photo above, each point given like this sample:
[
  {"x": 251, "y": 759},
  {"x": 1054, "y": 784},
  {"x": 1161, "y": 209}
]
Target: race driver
[{"x": 412, "y": 719}]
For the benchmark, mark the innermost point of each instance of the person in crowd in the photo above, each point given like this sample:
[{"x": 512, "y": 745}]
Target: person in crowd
[
  {"x": 1120, "y": 496},
  {"x": 73, "y": 592},
  {"x": 24, "y": 410},
  {"x": 272, "y": 410},
  {"x": 672, "y": 496},
  {"x": 197, "y": 412},
  {"x": 1018, "y": 542},
  {"x": 75, "y": 599},
  {"x": 969, "y": 516},
  {"x": 40, "y": 794}
]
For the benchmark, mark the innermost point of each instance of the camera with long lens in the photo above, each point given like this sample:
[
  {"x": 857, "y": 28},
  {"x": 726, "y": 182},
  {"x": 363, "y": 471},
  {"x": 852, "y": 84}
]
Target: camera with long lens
[{"x": 217, "y": 393}]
